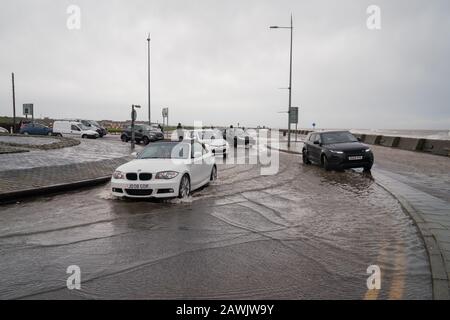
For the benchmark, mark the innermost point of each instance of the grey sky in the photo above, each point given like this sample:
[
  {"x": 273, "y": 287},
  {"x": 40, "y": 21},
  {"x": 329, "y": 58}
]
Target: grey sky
[{"x": 217, "y": 61}]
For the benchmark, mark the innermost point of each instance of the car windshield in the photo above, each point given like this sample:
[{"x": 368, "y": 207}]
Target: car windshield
[
  {"x": 83, "y": 127},
  {"x": 164, "y": 150},
  {"x": 94, "y": 123},
  {"x": 337, "y": 137},
  {"x": 146, "y": 127},
  {"x": 209, "y": 135}
]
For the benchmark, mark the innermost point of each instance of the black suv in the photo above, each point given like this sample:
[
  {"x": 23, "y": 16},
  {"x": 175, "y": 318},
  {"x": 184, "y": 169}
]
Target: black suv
[
  {"x": 142, "y": 132},
  {"x": 337, "y": 150}
]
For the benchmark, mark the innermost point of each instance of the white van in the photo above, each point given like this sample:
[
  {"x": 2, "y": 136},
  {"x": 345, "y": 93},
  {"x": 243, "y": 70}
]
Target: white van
[{"x": 66, "y": 128}]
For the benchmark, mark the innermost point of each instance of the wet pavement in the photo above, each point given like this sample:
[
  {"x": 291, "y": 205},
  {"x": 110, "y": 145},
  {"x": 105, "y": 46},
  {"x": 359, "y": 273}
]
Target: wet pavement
[
  {"x": 303, "y": 233},
  {"x": 27, "y": 140},
  {"x": 87, "y": 151}
]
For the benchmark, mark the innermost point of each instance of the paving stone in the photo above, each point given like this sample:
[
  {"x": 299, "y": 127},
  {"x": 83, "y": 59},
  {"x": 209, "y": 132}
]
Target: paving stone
[
  {"x": 441, "y": 290},
  {"x": 438, "y": 267}
]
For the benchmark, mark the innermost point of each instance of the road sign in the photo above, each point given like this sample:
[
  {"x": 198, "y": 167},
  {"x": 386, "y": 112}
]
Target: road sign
[
  {"x": 133, "y": 115},
  {"x": 27, "y": 109},
  {"x": 165, "y": 112},
  {"x": 293, "y": 115}
]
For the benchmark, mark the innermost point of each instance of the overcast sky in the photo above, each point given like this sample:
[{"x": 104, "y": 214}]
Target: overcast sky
[{"x": 218, "y": 62}]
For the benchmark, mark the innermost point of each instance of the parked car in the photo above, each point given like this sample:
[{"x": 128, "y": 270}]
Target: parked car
[
  {"x": 3, "y": 130},
  {"x": 142, "y": 132},
  {"x": 238, "y": 136},
  {"x": 165, "y": 169},
  {"x": 35, "y": 129},
  {"x": 69, "y": 128},
  {"x": 92, "y": 125},
  {"x": 213, "y": 139},
  {"x": 337, "y": 150}
]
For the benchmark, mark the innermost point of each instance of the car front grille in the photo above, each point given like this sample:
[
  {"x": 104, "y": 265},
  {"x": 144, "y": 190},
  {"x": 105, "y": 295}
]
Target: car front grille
[
  {"x": 145, "y": 176},
  {"x": 139, "y": 192},
  {"x": 131, "y": 176},
  {"x": 355, "y": 153}
]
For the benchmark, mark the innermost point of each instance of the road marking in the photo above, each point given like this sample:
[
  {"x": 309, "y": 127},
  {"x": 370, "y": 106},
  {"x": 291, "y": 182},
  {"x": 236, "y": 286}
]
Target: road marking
[
  {"x": 398, "y": 283},
  {"x": 372, "y": 294}
]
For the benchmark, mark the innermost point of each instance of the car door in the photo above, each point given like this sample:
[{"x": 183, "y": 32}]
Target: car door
[
  {"x": 197, "y": 167},
  {"x": 314, "y": 148},
  {"x": 39, "y": 129},
  {"x": 208, "y": 162},
  {"x": 75, "y": 130}
]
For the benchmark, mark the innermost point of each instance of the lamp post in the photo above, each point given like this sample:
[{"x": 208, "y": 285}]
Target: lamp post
[
  {"x": 14, "y": 103},
  {"x": 148, "y": 75},
  {"x": 133, "y": 119},
  {"x": 290, "y": 79}
]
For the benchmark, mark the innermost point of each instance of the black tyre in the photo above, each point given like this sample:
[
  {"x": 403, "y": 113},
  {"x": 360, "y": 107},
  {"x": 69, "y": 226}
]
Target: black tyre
[
  {"x": 213, "y": 176},
  {"x": 185, "y": 187},
  {"x": 124, "y": 138},
  {"x": 146, "y": 140},
  {"x": 368, "y": 167},
  {"x": 305, "y": 157},
  {"x": 325, "y": 163},
  {"x": 83, "y": 136}
]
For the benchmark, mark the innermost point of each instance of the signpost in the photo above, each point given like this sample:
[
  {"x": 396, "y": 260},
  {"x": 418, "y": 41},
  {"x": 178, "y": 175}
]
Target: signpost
[
  {"x": 293, "y": 118},
  {"x": 28, "y": 109},
  {"x": 165, "y": 115}
]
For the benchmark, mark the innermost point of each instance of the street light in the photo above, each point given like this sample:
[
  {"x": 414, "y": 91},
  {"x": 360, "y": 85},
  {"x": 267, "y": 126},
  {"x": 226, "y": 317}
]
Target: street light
[
  {"x": 133, "y": 118},
  {"x": 290, "y": 80},
  {"x": 148, "y": 74}
]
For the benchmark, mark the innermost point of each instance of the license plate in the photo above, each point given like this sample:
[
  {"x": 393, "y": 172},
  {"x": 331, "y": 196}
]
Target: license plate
[
  {"x": 138, "y": 186},
  {"x": 355, "y": 158}
]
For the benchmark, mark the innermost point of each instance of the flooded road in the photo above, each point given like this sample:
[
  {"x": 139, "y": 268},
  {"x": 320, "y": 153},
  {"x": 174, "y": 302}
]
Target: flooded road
[{"x": 301, "y": 234}]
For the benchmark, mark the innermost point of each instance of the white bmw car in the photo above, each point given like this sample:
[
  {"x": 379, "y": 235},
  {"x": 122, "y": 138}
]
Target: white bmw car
[{"x": 165, "y": 169}]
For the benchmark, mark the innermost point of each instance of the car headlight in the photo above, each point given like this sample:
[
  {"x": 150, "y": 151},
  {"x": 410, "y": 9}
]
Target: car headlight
[
  {"x": 118, "y": 175},
  {"x": 166, "y": 175},
  {"x": 337, "y": 152},
  {"x": 368, "y": 150}
]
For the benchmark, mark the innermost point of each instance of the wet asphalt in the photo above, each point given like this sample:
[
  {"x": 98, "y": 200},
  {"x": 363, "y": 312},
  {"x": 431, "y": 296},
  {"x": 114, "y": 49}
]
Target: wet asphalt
[{"x": 303, "y": 233}]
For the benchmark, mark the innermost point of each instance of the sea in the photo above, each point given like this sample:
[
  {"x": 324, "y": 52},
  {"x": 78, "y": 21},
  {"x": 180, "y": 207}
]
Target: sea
[{"x": 423, "y": 134}]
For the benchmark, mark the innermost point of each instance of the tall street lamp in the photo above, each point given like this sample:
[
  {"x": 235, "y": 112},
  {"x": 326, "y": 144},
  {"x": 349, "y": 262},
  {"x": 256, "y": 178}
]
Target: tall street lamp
[
  {"x": 148, "y": 65},
  {"x": 290, "y": 80}
]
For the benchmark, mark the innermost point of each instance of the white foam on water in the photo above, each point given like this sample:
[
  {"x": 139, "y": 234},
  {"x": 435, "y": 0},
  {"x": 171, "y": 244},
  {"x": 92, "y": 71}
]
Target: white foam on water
[{"x": 189, "y": 199}]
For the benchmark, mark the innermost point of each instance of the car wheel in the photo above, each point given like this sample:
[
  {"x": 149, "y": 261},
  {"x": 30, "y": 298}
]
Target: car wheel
[
  {"x": 83, "y": 136},
  {"x": 124, "y": 138},
  {"x": 49, "y": 134},
  {"x": 146, "y": 140},
  {"x": 25, "y": 133},
  {"x": 213, "y": 174},
  {"x": 185, "y": 187},
  {"x": 305, "y": 157},
  {"x": 325, "y": 163},
  {"x": 368, "y": 167}
]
